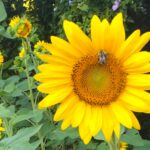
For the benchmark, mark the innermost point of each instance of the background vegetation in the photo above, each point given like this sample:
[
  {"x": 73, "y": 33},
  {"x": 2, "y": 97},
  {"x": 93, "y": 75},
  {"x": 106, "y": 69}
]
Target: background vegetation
[{"x": 28, "y": 128}]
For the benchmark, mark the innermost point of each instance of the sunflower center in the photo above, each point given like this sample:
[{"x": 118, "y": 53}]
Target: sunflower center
[
  {"x": 23, "y": 29},
  {"x": 96, "y": 83}
]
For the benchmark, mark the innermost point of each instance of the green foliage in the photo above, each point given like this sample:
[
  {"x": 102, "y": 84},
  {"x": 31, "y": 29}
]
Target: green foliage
[
  {"x": 3, "y": 14},
  {"x": 28, "y": 128}
]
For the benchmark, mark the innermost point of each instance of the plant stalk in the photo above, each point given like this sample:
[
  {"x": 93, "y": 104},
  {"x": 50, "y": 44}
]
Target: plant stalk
[
  {"x": 27, "y": 48},
  {"x": 113, "y": 144}
]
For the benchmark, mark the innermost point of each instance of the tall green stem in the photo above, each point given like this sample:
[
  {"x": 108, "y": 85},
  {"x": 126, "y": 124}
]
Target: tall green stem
[
  {"x": 113, "y": 144},
  {"x": 8, "y": 127},
  {"x": 31, "y": 97},
  {"x": 1, "y": 71},
  {"x": 32, "y": 56},
  {"x": 27, "y": 48}
]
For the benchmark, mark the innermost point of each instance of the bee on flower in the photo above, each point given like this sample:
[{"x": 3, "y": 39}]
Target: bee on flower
[{"x": 21, "y": 26}]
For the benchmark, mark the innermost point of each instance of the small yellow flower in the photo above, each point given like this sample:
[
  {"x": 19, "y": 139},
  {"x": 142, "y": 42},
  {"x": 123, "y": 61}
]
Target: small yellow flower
[
  {"x": 40, "y": 46},
  {"x": 21, "y": 26},
  {"x": 123, "y": 146},
  {"x": 22, "y": 53},
  {"x": 1, "y": 128},
  {"x": 1, "y": 58},
  {"x": 28, "y": 4}
]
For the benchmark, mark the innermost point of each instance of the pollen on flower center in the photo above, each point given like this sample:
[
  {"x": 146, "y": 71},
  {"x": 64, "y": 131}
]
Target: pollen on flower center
[{"x": 98, "y": 84}]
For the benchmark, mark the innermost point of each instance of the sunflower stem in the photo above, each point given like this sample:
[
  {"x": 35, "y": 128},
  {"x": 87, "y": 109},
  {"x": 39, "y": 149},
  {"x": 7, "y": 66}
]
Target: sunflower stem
[
  {"x": 1, "y": 71},
  {"x": 113, "y": 144},
  {"x": 8, "y": 127},
  {"x": 31, "y": 97},
  {"x": 32, "y": 55},
  {"x": 27, "y": 47},
  {"x": 29, "y": 84}
]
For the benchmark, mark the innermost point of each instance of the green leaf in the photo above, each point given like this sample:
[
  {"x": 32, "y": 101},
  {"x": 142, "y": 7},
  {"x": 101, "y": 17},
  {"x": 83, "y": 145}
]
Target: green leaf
[
  {"x": 22, "y": 135},
  {"x": 6, "y": 112},
  {"x": 23, "y": 85},
  {"x": 90, "y": 146},
  {"x": 3, "y": 14},
  {"x": 132, "y": 137},
  {"x": 35, "y": 115},
  {"x": 102, "y": 146},
  {"x": 5, "y": 33},
  {"x": 99, "y": 136},
  {"x": 12, "y": 79},
  {"x": 83, "y": 7},
  {"x": 2, "y": 83},
  {"x": 58, "y": 134},
  {"x": 26, "y": 145},
  {"x": 9, "y": 88},
  {"x": 145, "y": 147}
]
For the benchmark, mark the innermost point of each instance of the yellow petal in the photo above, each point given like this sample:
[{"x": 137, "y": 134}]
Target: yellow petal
[
  {"x": 64, "y": 55},
  {"x": 96, "y": 34},
  {"x": 138, "y": 70},
  {"x": 83, "y": 131},
  {"x": 117, "y": 129},
  {"x": 68, "y": 117},
  {"x": 141, "y": 81},
  {"x": 137, "y": 99},
  {"x": 61, "y": 46},
  {"x": 77, "y": 38},
  {"x": 99, "y": 34},
  {"x": 139, "y": 43},
  {"x": 54, "y": 85},
  {"x": 137, "y": 60},
  {"x": 99, "y": 119},
  {"x": 70, "y": 108},
  {"x": 84, "y": 134},
  {"x": 66, "y": 123},
  {"x": 55, "y": 97},
  {"x": 143, "y": 95},
  {"x": 78, "y": 114},
  {"x": 107, "y": 123},
  {"x": 121, "y": 114},
  {"x": 135, "y": 122},
  {"x": 65, "y": 107},
  {"x": 127, "y": 45},
  {"x": 87, "y": 117},
  {"x": 96, "y": 120},
  {"x": 51, "y": 59},
  {"x": 87, "y": 139},
  {"x": 2, "y": 129},
  {"x": 144, "y": 39},
  {"x": 117, "y": 33},
  {"x": 46, "y": 77},
  {"x": 47, "y": 68}
]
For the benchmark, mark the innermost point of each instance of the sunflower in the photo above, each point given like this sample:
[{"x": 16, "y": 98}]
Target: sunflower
[
  {"x": 21, "y": 26},
  {"x": 1, "y": 58},
  {"x": 99, "y": 82}
]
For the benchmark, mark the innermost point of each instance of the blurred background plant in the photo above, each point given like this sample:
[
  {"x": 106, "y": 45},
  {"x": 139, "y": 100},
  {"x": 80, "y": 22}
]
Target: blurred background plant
[{"x": 28, "y": 128}]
